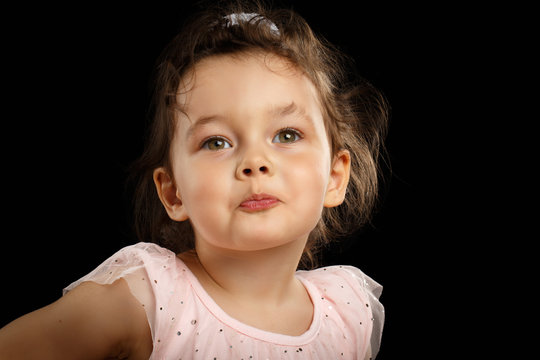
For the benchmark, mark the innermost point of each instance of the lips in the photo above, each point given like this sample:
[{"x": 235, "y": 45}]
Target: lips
[{"x": 259, "y": 202}]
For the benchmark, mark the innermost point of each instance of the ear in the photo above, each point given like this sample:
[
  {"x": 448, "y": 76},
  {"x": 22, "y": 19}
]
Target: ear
[
  {"x": 169, "y": 195},
  {"x": 339, "y": 179}
]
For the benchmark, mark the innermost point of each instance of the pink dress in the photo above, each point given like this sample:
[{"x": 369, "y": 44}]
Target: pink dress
[{"x": 187, "y": 324}]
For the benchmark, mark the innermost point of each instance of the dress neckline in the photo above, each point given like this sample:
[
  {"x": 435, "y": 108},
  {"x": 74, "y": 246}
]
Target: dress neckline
[{"x": 251, "y": 331}]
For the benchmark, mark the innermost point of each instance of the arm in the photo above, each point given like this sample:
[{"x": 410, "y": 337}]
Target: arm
[{"x": 90, "y": 322}]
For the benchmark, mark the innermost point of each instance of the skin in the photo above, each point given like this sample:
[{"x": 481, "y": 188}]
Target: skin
[
  {"x": 91, "y": 322},
  {"x": 245, "y": 260}
]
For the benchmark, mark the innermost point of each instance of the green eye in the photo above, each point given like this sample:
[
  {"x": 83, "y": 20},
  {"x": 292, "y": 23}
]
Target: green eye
[
  {"x": 287, "y": 136},
  {"x": 216, "y": 143}
]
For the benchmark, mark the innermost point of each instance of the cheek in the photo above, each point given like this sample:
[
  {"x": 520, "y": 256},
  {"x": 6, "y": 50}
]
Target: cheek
[
  {"x": 200, "y": 184},
  {"x": 306, "y": 188},
  {"x": 309, "y": 176}
]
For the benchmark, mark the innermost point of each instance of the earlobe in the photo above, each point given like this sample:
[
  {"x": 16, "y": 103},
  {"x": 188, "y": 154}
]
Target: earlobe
[
  {"x": 169, "y": 195},
  {"x": 339, "y": 179}
]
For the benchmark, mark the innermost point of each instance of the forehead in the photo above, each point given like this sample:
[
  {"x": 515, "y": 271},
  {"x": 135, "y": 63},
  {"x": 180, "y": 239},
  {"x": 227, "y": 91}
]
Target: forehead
[{"x": 244, "y": 84}]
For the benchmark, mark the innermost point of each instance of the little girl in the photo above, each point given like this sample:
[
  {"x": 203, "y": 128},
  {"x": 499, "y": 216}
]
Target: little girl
[{"x": 259, "y": 153}]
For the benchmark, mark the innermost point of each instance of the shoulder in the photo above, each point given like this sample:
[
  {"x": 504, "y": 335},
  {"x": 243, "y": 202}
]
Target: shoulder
[
  {"x": 154, "y": 276},
  {"x": 344, "y": 274},
  {"x": 92, "y": 321},
  {"x": 128, "y": 262},
  {"x": 107, "y": 312},
  {"x": 140, "y": 253},
  {"x": 148, "y": 269},
  {"x": 352, "y": 297},
  {"x": 339, "y": 284}
]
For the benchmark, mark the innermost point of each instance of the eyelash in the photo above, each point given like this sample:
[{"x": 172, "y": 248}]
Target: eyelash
[{"x": 206, "y": 142}]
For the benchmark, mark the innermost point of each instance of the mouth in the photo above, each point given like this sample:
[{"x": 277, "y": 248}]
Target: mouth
[{"x": 259, "y": 202}]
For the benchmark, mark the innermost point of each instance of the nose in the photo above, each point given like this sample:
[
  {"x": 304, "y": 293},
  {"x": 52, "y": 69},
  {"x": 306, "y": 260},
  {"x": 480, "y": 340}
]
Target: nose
[
  {"x": 252, "y": 166},
  {"x": 247, "y": 171}
]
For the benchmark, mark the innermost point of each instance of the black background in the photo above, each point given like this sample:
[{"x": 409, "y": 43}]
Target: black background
[{"x": 78, "y": 83}]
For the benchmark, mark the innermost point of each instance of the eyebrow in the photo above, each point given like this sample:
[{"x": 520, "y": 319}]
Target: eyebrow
[
  {"x": 282, "y": 111},
  {"x": 273, "y": 111},
  {"x": 203, "y": 120},
  {"x": 290, "y": 109}
]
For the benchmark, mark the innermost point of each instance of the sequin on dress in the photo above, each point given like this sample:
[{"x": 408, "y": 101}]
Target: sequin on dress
[{"x": 187, "y": 324}]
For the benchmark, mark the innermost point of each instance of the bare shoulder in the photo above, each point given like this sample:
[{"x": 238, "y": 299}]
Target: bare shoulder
[{"x": 92, "y": 321}]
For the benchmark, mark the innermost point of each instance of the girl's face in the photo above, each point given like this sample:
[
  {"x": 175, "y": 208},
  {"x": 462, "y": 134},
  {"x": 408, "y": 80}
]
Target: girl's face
[{"x": 250, "y": 158}]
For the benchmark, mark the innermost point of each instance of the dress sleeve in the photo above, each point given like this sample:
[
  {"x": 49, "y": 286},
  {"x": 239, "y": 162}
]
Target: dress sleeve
[
  {"x": 141, "y": 266},
  {"x": 373, "y": 292}
]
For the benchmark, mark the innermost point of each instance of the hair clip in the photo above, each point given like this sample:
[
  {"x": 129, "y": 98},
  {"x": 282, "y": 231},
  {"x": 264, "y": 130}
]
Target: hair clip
[{"x": 235, "y": 19}]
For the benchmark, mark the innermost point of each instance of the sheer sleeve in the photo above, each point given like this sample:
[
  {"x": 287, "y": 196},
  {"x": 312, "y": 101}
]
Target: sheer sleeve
[
  {"x": 141, "y": 266},
  {"x": 373, "y": 292}
]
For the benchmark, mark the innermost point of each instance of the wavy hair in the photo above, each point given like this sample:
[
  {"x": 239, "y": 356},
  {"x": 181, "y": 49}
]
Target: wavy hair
[{"x": 355, "y": 113}]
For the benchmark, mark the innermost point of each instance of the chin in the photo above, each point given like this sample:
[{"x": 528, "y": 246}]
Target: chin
[{"x": 255, "y": 240}]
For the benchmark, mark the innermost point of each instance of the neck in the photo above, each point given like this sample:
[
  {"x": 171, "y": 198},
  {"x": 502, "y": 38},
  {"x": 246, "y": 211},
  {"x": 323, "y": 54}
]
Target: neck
[{"x": 249, "y": 275}]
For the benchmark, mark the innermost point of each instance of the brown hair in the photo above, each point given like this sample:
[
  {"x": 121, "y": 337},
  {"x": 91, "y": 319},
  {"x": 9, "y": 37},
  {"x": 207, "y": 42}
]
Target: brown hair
[{"x": 355, "y": 113}]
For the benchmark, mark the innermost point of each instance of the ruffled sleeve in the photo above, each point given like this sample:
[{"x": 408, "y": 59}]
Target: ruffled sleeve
[
  {"x": 142, "y": 266},
  {"x": 351, "y": 307},
  {"x": 372, "y": 291}
]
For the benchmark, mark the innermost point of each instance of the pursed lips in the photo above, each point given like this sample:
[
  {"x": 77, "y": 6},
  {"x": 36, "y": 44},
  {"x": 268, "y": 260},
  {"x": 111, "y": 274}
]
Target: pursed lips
[{"x": 259, "y": 202}]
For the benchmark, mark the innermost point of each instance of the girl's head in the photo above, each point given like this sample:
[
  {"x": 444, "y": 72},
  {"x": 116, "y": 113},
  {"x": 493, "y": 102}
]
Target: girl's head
[{"x": 250, "y": 103}]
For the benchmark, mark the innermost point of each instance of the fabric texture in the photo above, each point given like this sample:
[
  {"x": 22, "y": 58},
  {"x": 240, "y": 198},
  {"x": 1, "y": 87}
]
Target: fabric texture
[{"x": 187, "y": 324}]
